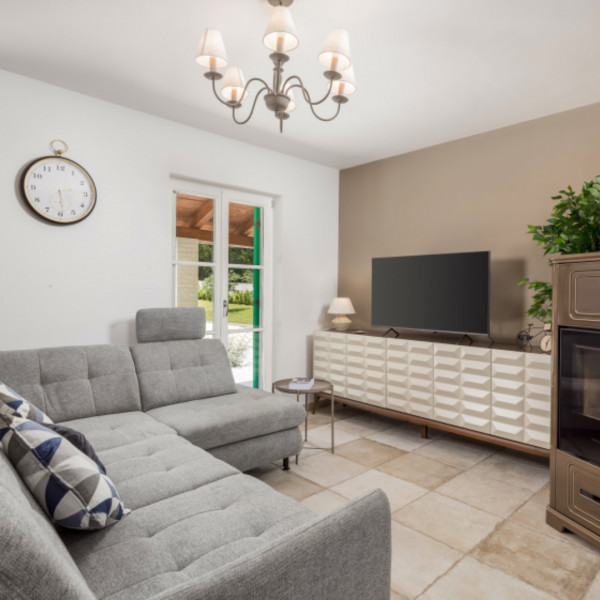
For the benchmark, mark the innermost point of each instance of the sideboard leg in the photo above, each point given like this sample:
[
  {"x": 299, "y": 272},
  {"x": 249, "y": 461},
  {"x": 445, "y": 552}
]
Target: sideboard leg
[
  {"x": 286, "y": 464},
  {"x": 424, "y": 431}
]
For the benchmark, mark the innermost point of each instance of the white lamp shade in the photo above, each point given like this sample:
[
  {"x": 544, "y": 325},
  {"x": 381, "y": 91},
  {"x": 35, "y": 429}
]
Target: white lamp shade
[
  {"x": 233, "y": 85},
  {"x": 335, "y": 54},
  {"x": 341, "y": 306},
  {"x": 211, "y": 51},
  {"x": 292, "y": 105},
  {"x": 280, "y": 34},
  {"x": 346, "y": 85}
]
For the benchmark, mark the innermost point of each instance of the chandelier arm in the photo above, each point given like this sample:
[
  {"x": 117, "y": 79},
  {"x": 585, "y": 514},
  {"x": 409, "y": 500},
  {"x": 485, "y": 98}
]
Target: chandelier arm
[
  {"x": 337, "y": 112},
  {"x": 233, "y": 109},
  {"x": 305, "y": 92},
  {"x": 265, "y": 84}
]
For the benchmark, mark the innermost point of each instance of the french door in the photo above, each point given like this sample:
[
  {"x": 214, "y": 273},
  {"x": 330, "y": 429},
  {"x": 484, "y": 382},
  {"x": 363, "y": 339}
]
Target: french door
[{"x": 222, "y": 262}]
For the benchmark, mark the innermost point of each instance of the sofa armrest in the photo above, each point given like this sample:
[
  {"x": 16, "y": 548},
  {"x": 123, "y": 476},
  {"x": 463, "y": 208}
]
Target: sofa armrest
[{"x": 344, "y": 555}]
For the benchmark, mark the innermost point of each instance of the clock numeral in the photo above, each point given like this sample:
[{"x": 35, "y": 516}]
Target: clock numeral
[
  {"x": 37, "y": 175},
  {"x": 47, "y": 168},
  {"x": 60, "y": 214},
  {"x": 85, "y": 194},
  {"x": 73, "y": 173},
  {"x": 73, "y": 213},
  {"x": 47, "y": 208},
  {"x": 32, "y": 187},
  {"x": 82, "y": 182},
  {"x": 60, "y": 167},
  {"x": 82, "y": 205},
  {"x": 36, "y": 199}
]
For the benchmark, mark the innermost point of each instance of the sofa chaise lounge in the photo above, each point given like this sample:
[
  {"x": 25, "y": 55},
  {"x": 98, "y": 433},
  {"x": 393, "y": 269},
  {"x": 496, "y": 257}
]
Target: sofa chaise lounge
[{"x": 175, "y": 434}]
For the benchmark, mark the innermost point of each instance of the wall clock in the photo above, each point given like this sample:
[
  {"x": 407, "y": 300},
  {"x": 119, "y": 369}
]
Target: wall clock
[{"x": 59, "y": 189}]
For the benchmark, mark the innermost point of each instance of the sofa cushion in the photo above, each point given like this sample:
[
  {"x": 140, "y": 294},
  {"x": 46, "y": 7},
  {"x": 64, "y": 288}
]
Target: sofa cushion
[
  {"x": 116, "y": 431},
  {"x": 74, "y": 381},
  {"x": 20, "y": 406},
  {"x": 223, "y": 420},
  {"x": 168, "y": 324},
  {"x": 184, "y": 537},
  {"x": 68, "y": 485},
  {"x": 173, "y": 372},
  {"x": 35, "y": 563}
]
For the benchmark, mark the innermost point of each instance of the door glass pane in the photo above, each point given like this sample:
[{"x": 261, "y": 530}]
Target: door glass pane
[
  {"x": 244, "y": 234},
  {"x": 195, "y": 288},
  {"x": 243, "y": 312},
  {"x": 244, "y": 351},
  {"x": 195, "y": 228}
]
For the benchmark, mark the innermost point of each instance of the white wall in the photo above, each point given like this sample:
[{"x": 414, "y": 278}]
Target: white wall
[{"x": 83, "y": 283}]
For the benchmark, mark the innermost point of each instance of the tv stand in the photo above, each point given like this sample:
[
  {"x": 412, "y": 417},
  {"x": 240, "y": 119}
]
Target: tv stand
[
  {"x": 490, "y": 394},
  {"x": 391, "y": 329}
]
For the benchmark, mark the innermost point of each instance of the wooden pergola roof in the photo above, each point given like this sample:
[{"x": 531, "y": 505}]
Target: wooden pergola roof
[{"x": 195, "y": 219}]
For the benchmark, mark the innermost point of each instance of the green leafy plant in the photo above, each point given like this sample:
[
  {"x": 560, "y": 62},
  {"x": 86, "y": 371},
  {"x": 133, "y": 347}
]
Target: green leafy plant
[{"x": 573, "y": 228}]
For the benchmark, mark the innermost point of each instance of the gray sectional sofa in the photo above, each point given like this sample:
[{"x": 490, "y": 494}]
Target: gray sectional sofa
[{"x": 175, "y": 434}]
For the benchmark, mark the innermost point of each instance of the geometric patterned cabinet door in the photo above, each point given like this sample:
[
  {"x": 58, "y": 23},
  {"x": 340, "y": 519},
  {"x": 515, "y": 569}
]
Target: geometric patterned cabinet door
[
  {"x": 410, "y": 377},
  {"x": 508, "y": 394},
  {"x": 538, "y": 372},
  {"x": 462, "y": 395},
  {"x": 329, "y": 359},
  {"x": 365, "y": 380}
]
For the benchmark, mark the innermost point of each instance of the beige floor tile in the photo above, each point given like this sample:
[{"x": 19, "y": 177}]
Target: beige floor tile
[
  {"x": 472, "y": 580},
  {"x": 365, "y": 424},
  {"x": 368, "y": 453},
  {"x": 289, "y": 483},
  {"x": 533, "y": 515},
  {"x": 551, "y": 565},
  {"x": 456, "y": 451},
  {"x": 402, "y": 436},
  {"x": 328, "y": 469},
  {"x": 321, "y": 437},
  {"x": 399, "y": 492},
  {"x": 417, "y": 560},
  {"x": 305, "y": 453},
  {"x": 397, "y": 596},
  {"x": 446, "y": 520},
  {"x": 341, "y": 411},
  {"x": 420, "y": 470},
  {"x": 318, "y": 419},
  {"x": 526, "y": 471},
  {"x": 324, "y": 502},
  {"x": 487, "y": 494},
  {"x": 593, "y": 592}
]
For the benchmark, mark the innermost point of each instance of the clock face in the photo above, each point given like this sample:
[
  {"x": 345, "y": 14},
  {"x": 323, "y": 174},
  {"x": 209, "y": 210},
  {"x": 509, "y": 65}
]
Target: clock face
[
  {"x": 546, "y": 343},
  {"x": 59, "y": 190}
]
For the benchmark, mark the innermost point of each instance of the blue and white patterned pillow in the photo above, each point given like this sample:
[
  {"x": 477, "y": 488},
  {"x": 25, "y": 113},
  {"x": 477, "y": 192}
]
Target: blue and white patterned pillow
[
  {"x": 68, "y": 485},
  {"x": 20, "y": 406}
]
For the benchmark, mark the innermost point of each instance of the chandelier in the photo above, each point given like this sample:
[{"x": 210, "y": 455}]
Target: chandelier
[{"x": 280, "y": 37}]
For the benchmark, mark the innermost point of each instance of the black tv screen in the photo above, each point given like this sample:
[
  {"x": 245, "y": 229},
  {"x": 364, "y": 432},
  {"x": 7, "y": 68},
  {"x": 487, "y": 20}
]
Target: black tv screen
[{"x": 434, "y": 292}]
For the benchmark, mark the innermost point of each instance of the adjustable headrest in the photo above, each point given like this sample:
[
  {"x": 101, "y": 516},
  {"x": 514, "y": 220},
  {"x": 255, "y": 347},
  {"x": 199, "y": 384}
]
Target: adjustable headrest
[{"x": 167, "y": 324}]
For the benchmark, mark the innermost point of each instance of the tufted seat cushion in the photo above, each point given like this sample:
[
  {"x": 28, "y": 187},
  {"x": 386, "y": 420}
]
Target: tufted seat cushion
[
  {"x": 209, "y": 516},
  {"x": 245, "y": 415},
  {"x": 113, "y": 431}
]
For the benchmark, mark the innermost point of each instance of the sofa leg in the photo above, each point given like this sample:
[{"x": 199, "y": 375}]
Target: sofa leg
[{"x": 286, "y": 464}]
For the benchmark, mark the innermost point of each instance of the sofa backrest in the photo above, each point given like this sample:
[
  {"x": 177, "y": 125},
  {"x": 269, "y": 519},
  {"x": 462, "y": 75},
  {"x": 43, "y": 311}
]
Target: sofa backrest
[
  {"x": 173, "y": 363},
  {"x": 35, "y": 563},
  {"x": 74, "y": 381}
]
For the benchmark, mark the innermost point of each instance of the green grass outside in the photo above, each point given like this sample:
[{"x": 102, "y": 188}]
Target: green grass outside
[{"x": 239, "y": 314}]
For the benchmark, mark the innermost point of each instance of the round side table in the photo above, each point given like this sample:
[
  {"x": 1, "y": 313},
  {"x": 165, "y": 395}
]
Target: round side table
[{"x": 320, "y": 386}]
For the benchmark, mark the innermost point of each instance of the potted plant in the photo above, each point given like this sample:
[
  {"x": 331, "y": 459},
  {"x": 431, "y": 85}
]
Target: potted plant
[{"x": 573, "y": 228}]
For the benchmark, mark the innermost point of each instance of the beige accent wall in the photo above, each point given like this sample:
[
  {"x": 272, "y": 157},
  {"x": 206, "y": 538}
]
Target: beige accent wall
[{"x": 478, "y": 193}]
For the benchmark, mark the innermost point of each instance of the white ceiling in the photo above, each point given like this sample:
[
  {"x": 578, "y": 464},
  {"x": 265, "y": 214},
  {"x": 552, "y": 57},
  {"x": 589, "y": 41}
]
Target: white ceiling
[{"x": 428, "y": 71}]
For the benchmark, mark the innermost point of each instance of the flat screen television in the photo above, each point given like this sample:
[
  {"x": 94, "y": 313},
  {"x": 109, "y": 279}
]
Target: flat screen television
[{"x": 433, "y": 292}]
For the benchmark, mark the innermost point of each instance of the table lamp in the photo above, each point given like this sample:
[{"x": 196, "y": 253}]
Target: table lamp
[{"x": 341, "y": 307}]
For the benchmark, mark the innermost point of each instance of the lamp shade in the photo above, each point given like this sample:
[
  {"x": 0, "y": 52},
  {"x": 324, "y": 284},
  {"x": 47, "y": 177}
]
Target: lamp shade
[
  {"x": 292, "y": 105},
  {"x": 211, "y": 51},
  {"x": 335, "y": 54},
  {"x": 280, "y": 34},
  {"x": 346, "y": 85},
  {"x": 341, "y": 306},
  {"x": 233, "y": 85}
]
